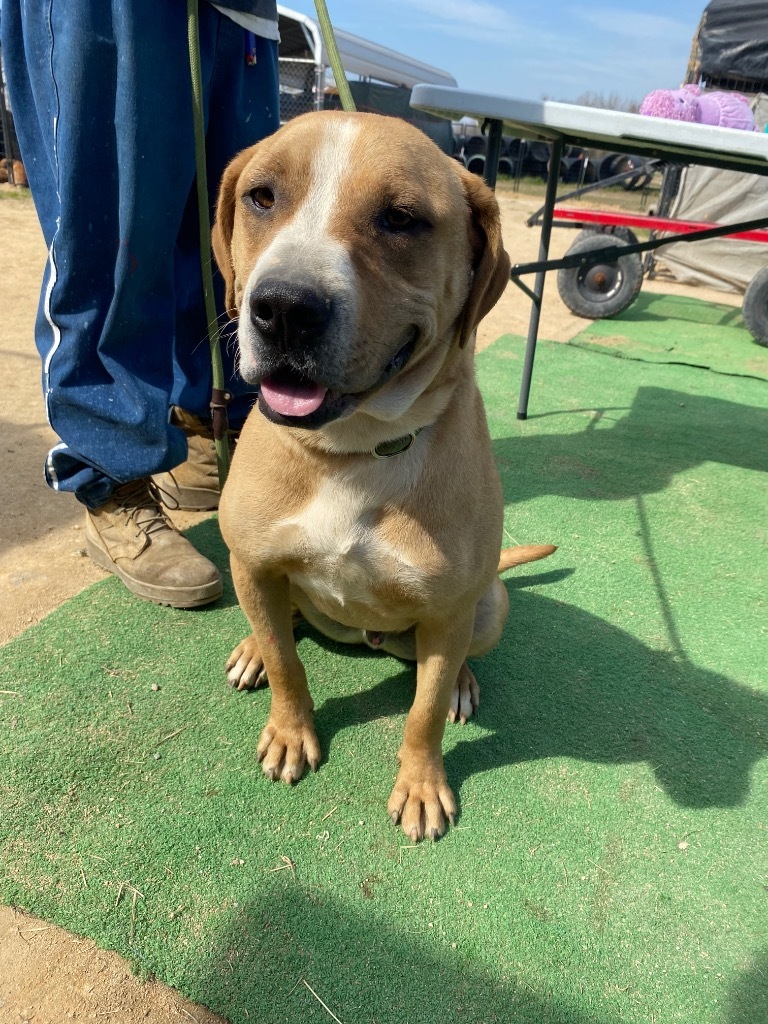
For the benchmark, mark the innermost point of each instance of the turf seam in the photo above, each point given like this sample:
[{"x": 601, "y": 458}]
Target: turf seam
[{"x": 661, "y": 362}]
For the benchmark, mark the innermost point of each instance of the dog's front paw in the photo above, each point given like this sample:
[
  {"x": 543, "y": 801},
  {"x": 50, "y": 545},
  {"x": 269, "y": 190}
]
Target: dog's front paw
[
  {"x": 286, "y": 747},
  {"x": 245, "y": 668},
  {"x": 466, "y": 696},
  {"x": 422, "y": 801}
]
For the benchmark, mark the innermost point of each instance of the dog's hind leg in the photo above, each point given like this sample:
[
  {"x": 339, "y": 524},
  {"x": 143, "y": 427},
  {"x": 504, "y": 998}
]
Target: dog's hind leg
[
  {"x": 490, "y": 615},
  {"x": 466, "y": 696}
]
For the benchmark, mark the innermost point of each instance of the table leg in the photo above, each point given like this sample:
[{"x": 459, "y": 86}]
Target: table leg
[
  {"x": 538, "y": 288},
  {"x": 492, "y": 153}
]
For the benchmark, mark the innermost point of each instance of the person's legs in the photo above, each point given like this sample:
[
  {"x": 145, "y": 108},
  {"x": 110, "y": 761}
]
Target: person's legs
[
  {"x": 99, "y": 116},
  {"x": 101, "y": 99}
]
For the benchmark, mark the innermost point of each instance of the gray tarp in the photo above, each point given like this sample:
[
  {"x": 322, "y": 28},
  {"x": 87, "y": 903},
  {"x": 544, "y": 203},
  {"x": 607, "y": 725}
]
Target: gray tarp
[{"x": 707, "y": 194}]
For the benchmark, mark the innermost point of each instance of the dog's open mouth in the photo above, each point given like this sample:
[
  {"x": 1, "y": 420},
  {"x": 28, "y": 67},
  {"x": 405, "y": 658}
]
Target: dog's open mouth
[{"x": 288, "y": 397}]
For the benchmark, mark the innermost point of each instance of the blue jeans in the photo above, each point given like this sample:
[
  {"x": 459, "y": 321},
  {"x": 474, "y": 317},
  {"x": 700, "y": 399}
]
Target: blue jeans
[{"x": 101, "y": 96}]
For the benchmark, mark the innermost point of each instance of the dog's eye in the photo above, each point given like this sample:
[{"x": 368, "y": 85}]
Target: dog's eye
[
  {"x": 262, "y": 197},
  {"x": 398, "y": 220}
]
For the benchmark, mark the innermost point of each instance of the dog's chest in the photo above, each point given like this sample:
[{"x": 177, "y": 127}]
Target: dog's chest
[{"x": 340, "y": 555}]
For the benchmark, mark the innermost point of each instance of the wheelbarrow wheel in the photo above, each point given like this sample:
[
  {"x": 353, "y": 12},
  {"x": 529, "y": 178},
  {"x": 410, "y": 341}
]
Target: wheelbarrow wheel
[
  {"x": 605, "y": 288},
  {"x": 754, "y": 309}
]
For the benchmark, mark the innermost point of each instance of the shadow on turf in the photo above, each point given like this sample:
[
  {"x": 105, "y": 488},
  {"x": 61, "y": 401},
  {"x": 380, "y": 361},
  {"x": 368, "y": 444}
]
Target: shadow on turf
[
  {"x": 363, "y": 969},
  {"x": 748, "y": 999},
  {"x": 564, "y": 683},
  {"x": 664, "y": 433}
]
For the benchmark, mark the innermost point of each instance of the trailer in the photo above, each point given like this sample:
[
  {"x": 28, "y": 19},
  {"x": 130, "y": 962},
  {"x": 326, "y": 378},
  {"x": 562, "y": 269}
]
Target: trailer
[
  {"x": 729, "y": 52},
  {"x": 606, "y": 288}
]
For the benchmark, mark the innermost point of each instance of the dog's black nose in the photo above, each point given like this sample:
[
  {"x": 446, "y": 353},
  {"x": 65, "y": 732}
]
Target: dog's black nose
[{"x": 289, "y": 315}]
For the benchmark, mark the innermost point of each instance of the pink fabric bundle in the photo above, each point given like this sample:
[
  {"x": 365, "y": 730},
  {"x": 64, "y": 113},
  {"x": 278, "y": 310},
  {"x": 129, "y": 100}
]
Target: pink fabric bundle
[{"x": 689, "y": 103}]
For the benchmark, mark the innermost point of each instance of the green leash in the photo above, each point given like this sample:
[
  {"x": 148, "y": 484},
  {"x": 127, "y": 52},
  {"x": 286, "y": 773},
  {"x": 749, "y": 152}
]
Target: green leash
[
  {"x": 329, "y": 41},
  {"x": 219, "y": 395}
]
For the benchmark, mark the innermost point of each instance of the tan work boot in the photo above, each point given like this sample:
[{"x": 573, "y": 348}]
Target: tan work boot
[
  {"x": 132, "y": 537},
  {"x": 194, "y": 485}
]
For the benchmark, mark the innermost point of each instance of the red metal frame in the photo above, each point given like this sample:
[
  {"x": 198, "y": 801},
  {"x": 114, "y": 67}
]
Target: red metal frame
[{"x": 567, "y": 215}]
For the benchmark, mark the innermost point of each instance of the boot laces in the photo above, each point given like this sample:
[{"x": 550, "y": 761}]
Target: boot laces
[{"x": 141, "y": 504}]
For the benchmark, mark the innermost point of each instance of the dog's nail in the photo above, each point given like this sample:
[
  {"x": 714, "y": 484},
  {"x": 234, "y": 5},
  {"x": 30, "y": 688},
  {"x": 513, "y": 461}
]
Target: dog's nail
[
  {"x": 414, "y": 835},
  {"x": 452, "y": 819}
]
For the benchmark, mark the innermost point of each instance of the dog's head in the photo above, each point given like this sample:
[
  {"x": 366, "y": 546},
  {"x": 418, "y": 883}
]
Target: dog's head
[{"x": 356, "y": 256}]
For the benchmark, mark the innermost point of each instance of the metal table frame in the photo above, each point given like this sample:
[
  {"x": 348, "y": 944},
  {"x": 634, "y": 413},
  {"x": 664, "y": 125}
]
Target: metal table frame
[{"x": 565, "y": 124}]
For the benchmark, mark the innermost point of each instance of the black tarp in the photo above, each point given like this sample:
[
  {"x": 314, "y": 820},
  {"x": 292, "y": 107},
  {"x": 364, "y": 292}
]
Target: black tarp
[{"x": 733, "y": 40}]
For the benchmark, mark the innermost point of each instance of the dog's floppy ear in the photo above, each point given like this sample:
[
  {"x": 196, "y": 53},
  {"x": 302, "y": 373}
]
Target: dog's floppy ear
[
  {"x": 221, "y": 234},
  {"x": 490, "y": 261}
]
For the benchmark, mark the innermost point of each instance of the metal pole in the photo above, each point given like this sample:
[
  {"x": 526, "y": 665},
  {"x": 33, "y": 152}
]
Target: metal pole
[
  {"x": 493, "y": 153},
  {"x": 538, "y": 288}
]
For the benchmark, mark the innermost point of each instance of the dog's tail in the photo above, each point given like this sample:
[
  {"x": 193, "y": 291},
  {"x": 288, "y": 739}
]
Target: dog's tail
[{"x": 523, "y": 553}]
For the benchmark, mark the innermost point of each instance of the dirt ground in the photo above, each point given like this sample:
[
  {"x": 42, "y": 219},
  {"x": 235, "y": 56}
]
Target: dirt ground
[{"x": 46, "y": 974}]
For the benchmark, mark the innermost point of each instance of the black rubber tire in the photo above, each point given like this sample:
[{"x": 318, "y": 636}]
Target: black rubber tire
[
  {"x": 603, "y": 289},
  {"x": 754, "y": 309},
  {"x": 476, "y": 164},
  {"x": 610, "y": 232},
  {"x": 605, "y": 167},
  {"x": 474, "y": 145},
  {"x": 580, "y": 170},
  {"x": 625, "y": 163},
  {"x": 625, "y": 234}
]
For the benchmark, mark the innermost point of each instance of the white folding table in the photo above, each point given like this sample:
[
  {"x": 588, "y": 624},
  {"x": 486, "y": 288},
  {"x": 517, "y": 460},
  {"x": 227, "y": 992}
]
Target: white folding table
[{"x": 565, "y": 124}]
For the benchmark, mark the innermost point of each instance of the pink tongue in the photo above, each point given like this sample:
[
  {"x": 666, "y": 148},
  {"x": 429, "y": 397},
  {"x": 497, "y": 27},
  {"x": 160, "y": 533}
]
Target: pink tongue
[{"x": 290, "y": 399}]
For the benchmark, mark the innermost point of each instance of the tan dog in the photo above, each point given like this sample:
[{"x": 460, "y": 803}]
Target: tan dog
[{"x": 360, "y": 260}]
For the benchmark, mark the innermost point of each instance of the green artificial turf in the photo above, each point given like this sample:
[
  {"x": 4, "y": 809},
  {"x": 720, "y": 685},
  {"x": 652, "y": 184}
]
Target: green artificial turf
[
  {"x": 677, "y": 329},
  {"x": 610, "y": 861}
]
